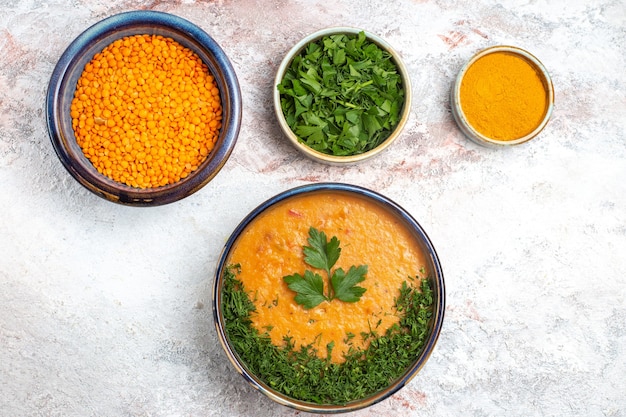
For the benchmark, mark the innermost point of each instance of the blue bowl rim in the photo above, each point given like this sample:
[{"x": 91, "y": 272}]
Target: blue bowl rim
[
  {"x": 439, "y": 290},
  {"x": 222, "y": 70}
]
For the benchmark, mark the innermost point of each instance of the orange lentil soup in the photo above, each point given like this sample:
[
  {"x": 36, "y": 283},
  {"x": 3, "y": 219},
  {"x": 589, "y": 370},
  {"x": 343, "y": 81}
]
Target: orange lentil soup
[
  {"x": 271, "y": 247},
  {"x": 146, "y": 111}
]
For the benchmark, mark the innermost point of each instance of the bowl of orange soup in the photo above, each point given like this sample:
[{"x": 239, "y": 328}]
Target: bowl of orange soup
[{"x": 328, "y": 298}]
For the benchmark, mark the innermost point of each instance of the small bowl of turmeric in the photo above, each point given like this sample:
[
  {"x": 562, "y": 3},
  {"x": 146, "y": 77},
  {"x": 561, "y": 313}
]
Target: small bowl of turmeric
[
  {"x": 502, "y": 96},
  {"x": 143, "y": 108}
]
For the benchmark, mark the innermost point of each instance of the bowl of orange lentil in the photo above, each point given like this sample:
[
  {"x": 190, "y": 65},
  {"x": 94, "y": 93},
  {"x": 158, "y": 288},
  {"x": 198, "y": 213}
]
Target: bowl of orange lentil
[{"x": 143, "y": 108}]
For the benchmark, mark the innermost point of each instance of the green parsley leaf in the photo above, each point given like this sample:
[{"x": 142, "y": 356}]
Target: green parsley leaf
[
  {"x": 309, "y": 288},
  {"x": 323, "y": 254},
  {"x": 344, "y": 285}
]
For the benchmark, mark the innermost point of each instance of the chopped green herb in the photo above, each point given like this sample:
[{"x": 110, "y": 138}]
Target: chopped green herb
[
  {"x": 303, "y": 373},
  {"x": 323, "y": 254},
  {"x": 342, "y": 95}
]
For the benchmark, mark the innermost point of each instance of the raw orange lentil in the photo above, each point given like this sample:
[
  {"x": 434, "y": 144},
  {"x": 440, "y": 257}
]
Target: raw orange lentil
[{"x": 146, "y": 111}]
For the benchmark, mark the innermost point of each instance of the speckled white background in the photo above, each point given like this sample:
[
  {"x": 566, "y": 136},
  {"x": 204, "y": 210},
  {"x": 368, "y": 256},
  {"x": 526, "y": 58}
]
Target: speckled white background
[{"x": 105, "y": 310}]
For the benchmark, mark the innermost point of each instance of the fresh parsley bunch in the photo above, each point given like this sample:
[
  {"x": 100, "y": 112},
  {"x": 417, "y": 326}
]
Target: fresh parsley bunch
[
  {"x": 323, "y": 254},
  {"x": 342, "y": 95}
]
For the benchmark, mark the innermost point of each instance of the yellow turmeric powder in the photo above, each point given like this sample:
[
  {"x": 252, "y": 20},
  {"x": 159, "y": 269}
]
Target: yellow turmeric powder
[
  {"x": 146, "y": 111},
  {"x": 503, "y": 97}
]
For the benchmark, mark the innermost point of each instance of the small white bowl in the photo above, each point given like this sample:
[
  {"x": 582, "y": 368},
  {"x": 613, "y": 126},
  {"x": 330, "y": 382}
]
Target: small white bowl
[
  {"x": 333, "y": 159},
  {"x": 457, "y": 104}
]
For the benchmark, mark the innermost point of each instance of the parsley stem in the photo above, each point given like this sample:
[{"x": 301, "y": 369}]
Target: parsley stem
[
  {"x": 331, "y": 292},
  {"x": 358, "y": 86},
  {"x": 346, "y": 104}
]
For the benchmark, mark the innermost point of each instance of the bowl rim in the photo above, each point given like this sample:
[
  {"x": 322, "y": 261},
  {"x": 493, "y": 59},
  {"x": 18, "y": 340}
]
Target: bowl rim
[
  {"x": 438, "y": 289},
  {"x": 457, "y": 109},
  {"x": 110, "y": 29},
  {"x": 334, "y": 159}
]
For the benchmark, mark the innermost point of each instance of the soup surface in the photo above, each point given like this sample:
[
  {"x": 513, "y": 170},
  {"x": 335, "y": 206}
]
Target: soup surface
[{"x": 271, "y": 247}]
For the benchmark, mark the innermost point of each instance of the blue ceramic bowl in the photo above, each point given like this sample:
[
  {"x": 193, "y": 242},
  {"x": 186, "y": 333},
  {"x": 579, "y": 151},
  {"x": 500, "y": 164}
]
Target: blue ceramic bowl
[
  {"x": 437, "y": 285},
  {"x": 69, "y": 69}
]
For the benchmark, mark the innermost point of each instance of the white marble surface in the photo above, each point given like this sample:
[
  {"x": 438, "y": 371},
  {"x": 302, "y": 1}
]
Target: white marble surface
[{"x": 105, "y": 310}]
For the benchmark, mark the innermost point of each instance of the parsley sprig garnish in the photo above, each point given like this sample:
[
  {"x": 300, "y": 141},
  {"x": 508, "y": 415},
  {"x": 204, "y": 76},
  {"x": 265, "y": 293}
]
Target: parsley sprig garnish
[{"x": 323, "y": 254}]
